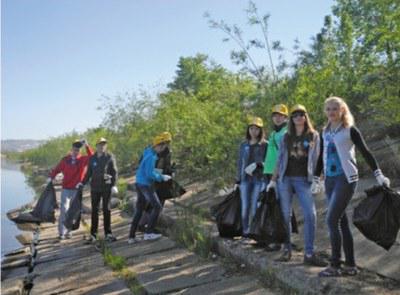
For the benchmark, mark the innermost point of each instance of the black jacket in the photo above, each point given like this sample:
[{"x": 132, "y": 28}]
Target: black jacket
[{"x": 98, "y": 170}]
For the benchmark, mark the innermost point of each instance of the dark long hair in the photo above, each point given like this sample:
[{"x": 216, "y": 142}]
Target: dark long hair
[
  {"x": 260, "y": 136},
  {"x": 308, "y": 128}
]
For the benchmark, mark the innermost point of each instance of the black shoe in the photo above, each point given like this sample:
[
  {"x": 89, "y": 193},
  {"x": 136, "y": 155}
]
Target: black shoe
[
  {"x": 285, "y": 257},
  {"x": 110, "y": 238},
  {"x": 314, "y": 260},
  {"x": 273, "y": 247},
  {"x": 330, "y": 272}
]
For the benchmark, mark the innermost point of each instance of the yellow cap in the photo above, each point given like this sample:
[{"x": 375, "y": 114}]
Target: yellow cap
[
  {"x": 280, "y": 109},
  {"x": 257, "y": 121},
  {"x": 101, "y": 140},
  {"x": 162, "y": 137},
  {"x": 298, "y": 108}
]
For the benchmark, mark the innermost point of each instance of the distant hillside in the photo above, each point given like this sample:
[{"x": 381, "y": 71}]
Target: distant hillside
[{"x": 19, "y": 145}]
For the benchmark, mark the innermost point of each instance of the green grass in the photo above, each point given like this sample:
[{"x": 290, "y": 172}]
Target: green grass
[
  {"x": 191, "y": 231},
  {"x": 118, "y": 264}
]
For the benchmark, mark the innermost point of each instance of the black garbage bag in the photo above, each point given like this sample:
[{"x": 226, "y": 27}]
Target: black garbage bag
[
  {"x": 45, "y": 206},
  {"x": 26, "y": 217},
  {"x": 293, "y": 221},
  {"x": 378, "y": 216},
  {"x": 73, "y": 214},
  {"x": 228, "y": 215},
  {"x": 268, "y": 225},
  {"x": 169, "y": 189}
]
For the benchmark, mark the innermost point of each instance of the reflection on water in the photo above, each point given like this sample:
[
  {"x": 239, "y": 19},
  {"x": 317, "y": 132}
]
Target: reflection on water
[{"x": 14, "y": 193}]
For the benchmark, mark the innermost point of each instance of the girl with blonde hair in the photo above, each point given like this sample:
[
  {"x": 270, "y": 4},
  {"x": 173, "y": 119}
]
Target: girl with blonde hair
[{"x": 338, "y": 163}]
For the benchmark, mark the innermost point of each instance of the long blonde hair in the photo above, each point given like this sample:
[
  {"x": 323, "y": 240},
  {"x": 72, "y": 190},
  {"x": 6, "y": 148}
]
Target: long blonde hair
[{"x": 347, "y": 117}]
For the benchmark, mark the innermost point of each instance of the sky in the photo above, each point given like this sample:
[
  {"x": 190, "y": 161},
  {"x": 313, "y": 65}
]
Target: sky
[{"x": 59, "y": 57}]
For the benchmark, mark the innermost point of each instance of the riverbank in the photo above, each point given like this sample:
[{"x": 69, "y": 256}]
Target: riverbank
[
  {"x": 148, "y": 267},
  {"x": 187, "y": 223}
]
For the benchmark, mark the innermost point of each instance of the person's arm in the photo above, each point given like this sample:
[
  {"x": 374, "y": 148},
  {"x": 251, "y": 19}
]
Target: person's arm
[
  {"x": 320, "y": 162},
  {"x": 113, "y": 170},
  {"x": 151, "y": 172},
  {"x": 360, "y": 144},
  {"x": 281, "y": 152},
  {"x": 89, "y": 150},
  {"x": 59, "y": 168},
  {"x": 239, "y": 165},
  {"x": 89, "y": 172}
]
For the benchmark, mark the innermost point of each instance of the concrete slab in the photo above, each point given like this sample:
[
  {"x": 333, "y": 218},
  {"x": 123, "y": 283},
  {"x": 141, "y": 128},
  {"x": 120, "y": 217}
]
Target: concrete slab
[{"x": 179, "y": 277}]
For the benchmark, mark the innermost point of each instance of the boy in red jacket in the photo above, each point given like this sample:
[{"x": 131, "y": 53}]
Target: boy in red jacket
[{"x": 73, "y": 167}]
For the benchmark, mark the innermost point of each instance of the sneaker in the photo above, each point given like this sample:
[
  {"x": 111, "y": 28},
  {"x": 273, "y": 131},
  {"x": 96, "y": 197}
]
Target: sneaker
[
  {"x": 92, "y": 238},
  {"x": 132, "y": 241},
  {"x": 330, "y": 272},
  {"x": 68, "y": 235},
  {"x": 151, "y": 236},
  {"x": 314, "y": 260},
  {"x": 61, "y": 237},
  {"x": 349, "y": 270},
  {"x": 273, "y": 247},
  {"x": 110, "y": 238},
  {"x": 285, "y": 257}
]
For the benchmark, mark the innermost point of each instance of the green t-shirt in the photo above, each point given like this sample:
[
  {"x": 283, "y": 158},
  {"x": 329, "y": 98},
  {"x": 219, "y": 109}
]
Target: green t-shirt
[{"x": 272, "y": 151}]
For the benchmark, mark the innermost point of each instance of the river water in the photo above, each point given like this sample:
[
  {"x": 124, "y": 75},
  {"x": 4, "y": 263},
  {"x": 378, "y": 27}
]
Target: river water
[{"x": 14, "y": 193}]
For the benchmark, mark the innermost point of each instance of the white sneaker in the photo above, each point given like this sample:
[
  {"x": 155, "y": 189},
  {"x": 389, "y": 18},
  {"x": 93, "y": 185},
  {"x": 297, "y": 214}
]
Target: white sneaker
[
  {"x": 152, "y": 236},
  {"x": 132, "y": 241}
]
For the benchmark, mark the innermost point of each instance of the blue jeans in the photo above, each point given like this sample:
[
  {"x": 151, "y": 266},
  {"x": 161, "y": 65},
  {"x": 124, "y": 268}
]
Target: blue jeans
[
  {"x": 145, "y": 195},
  {"x": 339, "y": 193},
  {"x": 286, "y": 188},
  {"x": 249, "y": 193}
]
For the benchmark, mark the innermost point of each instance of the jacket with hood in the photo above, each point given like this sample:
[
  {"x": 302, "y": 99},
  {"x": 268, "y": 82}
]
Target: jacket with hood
[{"x": 146, "y": 173}]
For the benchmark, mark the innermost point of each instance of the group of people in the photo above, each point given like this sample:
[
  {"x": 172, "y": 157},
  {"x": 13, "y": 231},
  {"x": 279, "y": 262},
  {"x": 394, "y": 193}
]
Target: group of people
[
  {"x": 291, "y": 162},
  {"x": 294, "y": 161},
  {"x": 100, "y": 170}
]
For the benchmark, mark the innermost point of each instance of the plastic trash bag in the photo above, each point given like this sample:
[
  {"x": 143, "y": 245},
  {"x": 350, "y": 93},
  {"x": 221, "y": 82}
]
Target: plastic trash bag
[
  {"x": 45, "y": 206},
  {"x": 73, "y": 215},
  {"x": 169, "y": 190},
  {"x": 228, "y": 215},
  {"x": 268, "y": 225},
  {"x": 378, "y": 216},
  {"x": 165, "y": 191},
  {"x": 26, "y": 217}
]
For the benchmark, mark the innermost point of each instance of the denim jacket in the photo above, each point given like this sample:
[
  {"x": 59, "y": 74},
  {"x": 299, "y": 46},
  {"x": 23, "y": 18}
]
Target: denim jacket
[{"x": 243, "y": 160}]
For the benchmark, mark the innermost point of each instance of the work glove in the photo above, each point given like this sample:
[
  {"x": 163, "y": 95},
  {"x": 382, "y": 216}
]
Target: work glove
[
  {"x": 166, "y": 177},
  {"x": 271, "y": 184},
  {"x": 107, "y": 178},
  {"x": 114, "y": 190},
  {"x": 316, "y": 185},
  {"x": 250, "y": 169},
  {"x": 381, "y": 179},
  {"x": 79, "y": 185}
]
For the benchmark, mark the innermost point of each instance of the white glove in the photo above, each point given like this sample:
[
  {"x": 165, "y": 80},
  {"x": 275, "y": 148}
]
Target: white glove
[
  {"x": 271, "y": 184},
  {"x": 49, "y": 180},
  {"x": 250, "y": 169},
  {"x": 114, "y": 190},
  {"x": 316, "y": 186},
  {"x": 382, "y": 180},
  {"x": 79, "y": 185},
  {"x": 166, "y": 177}
]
